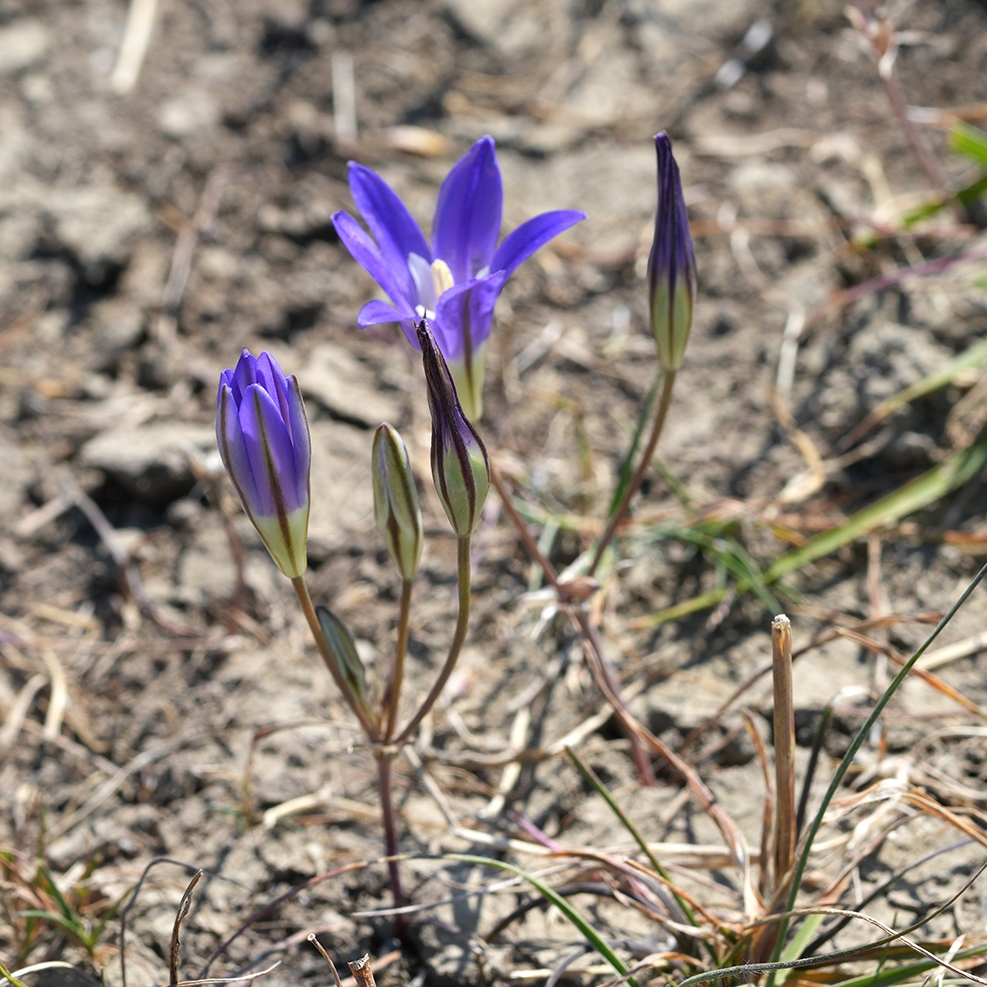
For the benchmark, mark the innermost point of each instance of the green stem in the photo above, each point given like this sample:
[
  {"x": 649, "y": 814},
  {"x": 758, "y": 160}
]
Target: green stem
[
  {"x": 462, "y": 625},
  {"x": 637, "y": 479},
  {"x": 392, "y": 696},
  {"x": 331, "y": 663},
  {"x": 862, "y": 734}
]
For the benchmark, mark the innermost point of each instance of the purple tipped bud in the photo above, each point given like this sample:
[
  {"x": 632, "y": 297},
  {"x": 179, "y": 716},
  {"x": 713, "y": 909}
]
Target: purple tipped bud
[
  {"x": 460, "y": 467},
  {"x": 672, "y": 264},
  {"x": 264, "y": 441},
  {"x": 396, "y": 507}
]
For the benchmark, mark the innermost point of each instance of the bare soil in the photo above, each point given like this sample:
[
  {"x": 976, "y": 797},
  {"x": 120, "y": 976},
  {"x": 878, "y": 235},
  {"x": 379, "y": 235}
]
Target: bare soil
[{"x": 156, "y": 708}]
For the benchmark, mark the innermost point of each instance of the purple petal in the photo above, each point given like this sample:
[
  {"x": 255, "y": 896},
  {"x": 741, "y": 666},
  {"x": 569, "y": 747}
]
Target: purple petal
[
  {"x": 528, "y": 237},
  {"x": 464, "y": 316},
  {"x": 393, "y": 227},
  {"x": 468, "y": 213},
  {"x": 271, "y": 377},
  {"x": 233, "y": 449},
  {"x": 397, "y": 283},
  {"x": 301, "y": 442},
  {"x": 272, "y": 457},
  {"x": 243, "y": 375},
  {"x": 376, "y": 312}
]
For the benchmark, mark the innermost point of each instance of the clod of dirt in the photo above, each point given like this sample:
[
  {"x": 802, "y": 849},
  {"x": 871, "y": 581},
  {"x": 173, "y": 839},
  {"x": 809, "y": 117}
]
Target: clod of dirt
[{"x": 150, "y": 461}]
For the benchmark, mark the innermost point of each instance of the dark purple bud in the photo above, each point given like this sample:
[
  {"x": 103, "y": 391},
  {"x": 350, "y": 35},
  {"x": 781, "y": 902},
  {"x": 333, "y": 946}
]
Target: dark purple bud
[
  {"x": 460, "y": 467},
  {"x": 672, "y": 264}
]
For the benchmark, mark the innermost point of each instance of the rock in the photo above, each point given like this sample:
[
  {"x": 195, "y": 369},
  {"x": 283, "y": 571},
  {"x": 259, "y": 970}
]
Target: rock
[
  {"x": 151, "y": 460},
  {"x": 347, "y": 388},
  {"x": 480, "y": 19},
  {"x": 95, "y": 224},
  {"x": 342, "y": 495},
  {"x": 188, "y": 112},
  {"x": 22, "y": 44},
  {"x": 119, "y": 325}
]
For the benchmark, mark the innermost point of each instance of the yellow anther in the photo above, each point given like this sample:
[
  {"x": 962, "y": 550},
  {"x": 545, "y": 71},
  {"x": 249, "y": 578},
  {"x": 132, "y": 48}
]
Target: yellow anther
[{"x": 442, "y": 279}]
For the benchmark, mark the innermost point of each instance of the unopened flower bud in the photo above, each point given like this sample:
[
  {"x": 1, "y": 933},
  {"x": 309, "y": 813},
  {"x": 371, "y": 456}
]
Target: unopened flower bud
[
  {"x": 672, "y": 264},
  {"x": 264, "y": 441},
  {"x": 344, "y": 652},
  {"x": 460, "y": 467},
  {"x": 396, "y": 507}
]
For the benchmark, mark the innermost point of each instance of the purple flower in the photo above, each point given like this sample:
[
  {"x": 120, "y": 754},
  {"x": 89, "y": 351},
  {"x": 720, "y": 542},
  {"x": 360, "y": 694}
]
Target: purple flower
[
  {"x": 672, "y": 263},
  {"x": 454, "y": 283},
  {"x": 264, "y": 441}
]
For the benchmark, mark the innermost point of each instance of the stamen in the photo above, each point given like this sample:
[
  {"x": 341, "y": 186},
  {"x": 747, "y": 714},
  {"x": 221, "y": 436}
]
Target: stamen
[{"x": 442, "y": 279}]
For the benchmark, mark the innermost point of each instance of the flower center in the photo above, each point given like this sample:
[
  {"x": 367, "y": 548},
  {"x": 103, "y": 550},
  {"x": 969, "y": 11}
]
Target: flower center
[{"x": 431, "y": 280}]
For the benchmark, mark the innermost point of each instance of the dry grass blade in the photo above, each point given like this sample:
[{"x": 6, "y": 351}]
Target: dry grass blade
[
  {"x": 784, "y": 736},
  {"x": 174, "y": 954}
]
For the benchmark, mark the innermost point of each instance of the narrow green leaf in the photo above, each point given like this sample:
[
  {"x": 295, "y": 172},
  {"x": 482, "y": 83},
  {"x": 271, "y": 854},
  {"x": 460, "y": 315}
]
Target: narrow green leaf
[
  {"x": 591, "y": 779},
  {"x": 969, "y": 141},
  {"x": 549, "y": 894},
  {"x": 627, "y": 466},
  {"x": 802, "y": 938},
  {"x": 975, "y": 356},
  {"x": 924, "y": 490},
  {"x": 69, "y": 924},
  {"x": 7, "y": 975}
]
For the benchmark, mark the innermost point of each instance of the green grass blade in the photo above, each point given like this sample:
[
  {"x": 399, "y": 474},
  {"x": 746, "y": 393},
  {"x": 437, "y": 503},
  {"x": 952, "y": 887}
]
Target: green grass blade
[
  {"x": 587, "y": 931},
  {"x": 802, "y": 939},
  {"x": 897, "y": 975},
  {"x": 627, "y": 466},
  {"x": 974, "y": 356},
  {"x": 861, "y": 735},
  {"x": 70, "y": 924},
  {"x": 7, "y": 975},
  {"x": 590, "y": 776},
  {"x": 969, "y": 141},
  {"x": 65, "y": 907},
  {"x": 960, "y": 468},
  {"x": 924, "y": 490}
]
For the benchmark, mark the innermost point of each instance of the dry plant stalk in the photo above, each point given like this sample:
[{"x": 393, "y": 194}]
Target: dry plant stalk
[
  {"x": 362, "y": 973},
  {"x": 784, "y": 729}
]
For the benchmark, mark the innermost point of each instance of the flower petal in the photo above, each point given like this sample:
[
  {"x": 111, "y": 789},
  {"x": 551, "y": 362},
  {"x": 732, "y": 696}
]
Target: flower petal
[
  {"x": 393, "y": 227},
  {"x": 376, "y": 312},
  {"x": 301, "y": 441},
  {"x": 464, "y": 316},
  {"x": 233, "y": 449},
  {"x": 528, "y": 237},
  {"x": 397, "y": 283},
  {"x": 272, "y": 457},
  {"x": 469, "y": 210}
]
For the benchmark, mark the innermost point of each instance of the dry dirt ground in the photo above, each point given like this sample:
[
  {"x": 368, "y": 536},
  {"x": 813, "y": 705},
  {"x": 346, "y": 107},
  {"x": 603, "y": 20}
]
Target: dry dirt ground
[{"x": 147, "y": 235}]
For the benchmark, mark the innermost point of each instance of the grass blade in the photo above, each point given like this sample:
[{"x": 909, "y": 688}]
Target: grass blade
[
  {"x": 575, "y": 917},
  {"x": 924, "y": 490}
]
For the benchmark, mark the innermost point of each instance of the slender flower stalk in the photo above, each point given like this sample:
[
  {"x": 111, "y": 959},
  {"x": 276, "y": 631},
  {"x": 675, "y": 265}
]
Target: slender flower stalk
[
  {"x": 264, "y": 441},
  {"x": 453, "y": 281},
  {"x": 672, "y": 296}
]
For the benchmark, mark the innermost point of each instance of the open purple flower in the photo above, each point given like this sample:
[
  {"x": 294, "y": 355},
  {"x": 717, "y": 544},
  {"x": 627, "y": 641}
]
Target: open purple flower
[
  {"x": 264, "y": 441},
  {"x": 454, "y": 283}
]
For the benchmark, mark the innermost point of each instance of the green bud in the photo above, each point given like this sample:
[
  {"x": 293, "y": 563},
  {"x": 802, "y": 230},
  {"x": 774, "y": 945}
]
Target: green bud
[
  {"x": 396, "y": 507},
  {"x": 344, "y": 652}
]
